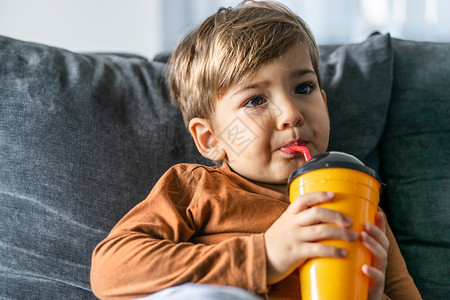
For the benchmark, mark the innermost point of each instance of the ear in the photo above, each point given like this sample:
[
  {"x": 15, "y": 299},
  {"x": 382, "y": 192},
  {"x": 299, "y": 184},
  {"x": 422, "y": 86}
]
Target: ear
[
  {"x": 207, "y": 144},
  {"x": 324, "y": 96}
]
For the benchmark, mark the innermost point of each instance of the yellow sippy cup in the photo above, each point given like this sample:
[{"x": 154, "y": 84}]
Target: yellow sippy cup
[{"x": 357, "y": 191}]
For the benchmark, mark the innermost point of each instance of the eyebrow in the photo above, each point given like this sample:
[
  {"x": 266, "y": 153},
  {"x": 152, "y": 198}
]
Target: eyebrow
[
  {"x": 302, "y": 72},
  {"x": 259, "y": 84}
]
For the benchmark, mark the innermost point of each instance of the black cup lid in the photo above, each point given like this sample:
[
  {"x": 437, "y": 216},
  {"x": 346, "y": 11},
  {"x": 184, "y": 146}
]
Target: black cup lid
[{"x": 334, "y": 159}]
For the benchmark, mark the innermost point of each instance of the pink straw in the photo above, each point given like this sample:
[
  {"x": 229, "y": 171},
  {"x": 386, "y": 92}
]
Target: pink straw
[{"x": 303, "y": 150}]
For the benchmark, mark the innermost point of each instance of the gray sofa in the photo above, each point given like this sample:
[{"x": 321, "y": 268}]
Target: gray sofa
[{"x": 84, "y": 136}]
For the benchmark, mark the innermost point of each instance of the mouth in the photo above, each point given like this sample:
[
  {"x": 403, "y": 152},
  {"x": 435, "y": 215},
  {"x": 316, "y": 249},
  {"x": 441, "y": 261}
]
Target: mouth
[{"x": 287, "y": 150}]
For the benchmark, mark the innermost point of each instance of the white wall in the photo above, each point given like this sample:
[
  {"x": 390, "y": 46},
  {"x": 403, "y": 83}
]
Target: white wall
[
  {"x": 86, "y": 25},
  {"x": 147, "y": 27}
]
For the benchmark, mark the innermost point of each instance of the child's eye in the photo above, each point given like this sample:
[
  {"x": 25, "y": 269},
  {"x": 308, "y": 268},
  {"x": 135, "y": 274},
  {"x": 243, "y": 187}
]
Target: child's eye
[
  {"x": 305, "y": 88},
  {"x": 255, "y": 101}
]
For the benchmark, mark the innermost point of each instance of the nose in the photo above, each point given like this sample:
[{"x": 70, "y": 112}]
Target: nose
[{"x": 289, "y": 116}]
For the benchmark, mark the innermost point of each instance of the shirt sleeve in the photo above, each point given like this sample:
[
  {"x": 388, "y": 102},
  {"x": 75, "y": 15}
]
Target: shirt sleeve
[
  {"x": 150, "y": 249},
  {"x": 399, "y": 284}
]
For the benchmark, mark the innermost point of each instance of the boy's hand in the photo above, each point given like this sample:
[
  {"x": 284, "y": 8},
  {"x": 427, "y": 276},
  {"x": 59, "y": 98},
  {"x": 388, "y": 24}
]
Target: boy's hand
[
  {"x": 293, "y": 237},
  {"x": 374, "y": 238}
]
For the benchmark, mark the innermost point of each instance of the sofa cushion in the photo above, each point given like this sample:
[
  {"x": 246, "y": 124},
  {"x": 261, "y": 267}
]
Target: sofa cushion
[
  {"x": 415, "y": 153},
  {"x": 85, "y": 136},
  {"x": 83, "y": 139},
  {"x": 357, "y": 79}
]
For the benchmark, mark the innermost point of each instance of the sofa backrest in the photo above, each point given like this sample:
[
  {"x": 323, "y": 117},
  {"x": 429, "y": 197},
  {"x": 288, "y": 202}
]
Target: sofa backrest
[{"x": 415, "y": 162}]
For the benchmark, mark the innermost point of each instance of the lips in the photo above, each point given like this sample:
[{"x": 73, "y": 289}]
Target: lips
[
  {"x": 288, "y": 150},
  {"x": 296, "y": 142}
]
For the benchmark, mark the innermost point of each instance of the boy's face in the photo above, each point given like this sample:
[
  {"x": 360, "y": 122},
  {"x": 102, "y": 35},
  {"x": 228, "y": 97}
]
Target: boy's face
[{"x": 280, "y": 105}]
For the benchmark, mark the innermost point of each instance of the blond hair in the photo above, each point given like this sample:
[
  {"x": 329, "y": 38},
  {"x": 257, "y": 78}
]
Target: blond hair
[{"x": 228, "y": 48}]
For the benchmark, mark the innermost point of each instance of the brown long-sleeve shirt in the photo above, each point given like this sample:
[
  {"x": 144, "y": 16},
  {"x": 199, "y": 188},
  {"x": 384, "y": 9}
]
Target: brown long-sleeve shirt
[{"x": 206, "y": 225}]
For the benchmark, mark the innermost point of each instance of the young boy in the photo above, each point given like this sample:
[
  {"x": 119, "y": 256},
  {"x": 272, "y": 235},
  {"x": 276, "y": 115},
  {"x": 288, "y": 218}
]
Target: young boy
[{"x": 247, "y": 82}]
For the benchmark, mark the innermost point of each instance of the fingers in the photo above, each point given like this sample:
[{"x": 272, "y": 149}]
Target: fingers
[
  {"x": 374, "y": 236},
  {"x": 375, "y": 240},
  {"x": 326, "y": 232},
  {"x": 380, "y": 222},
  {"x": 310, "y": 199},
  {"x": 378, "y": 251},
  {"x": 377, "y": 278},
  {"x": 311, "y": 220},
  {"x": 373, "y": 273},
  {"x": 316, "y": 215},
  {"x": 310, "y": 250}
]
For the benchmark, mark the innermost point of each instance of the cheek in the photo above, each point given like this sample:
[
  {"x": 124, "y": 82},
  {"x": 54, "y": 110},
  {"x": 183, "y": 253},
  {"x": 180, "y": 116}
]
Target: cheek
[
  {"x": 238, "y": 137},
  {"x": 321, "y": 126},
  {"x": 323, "y": 132}
]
